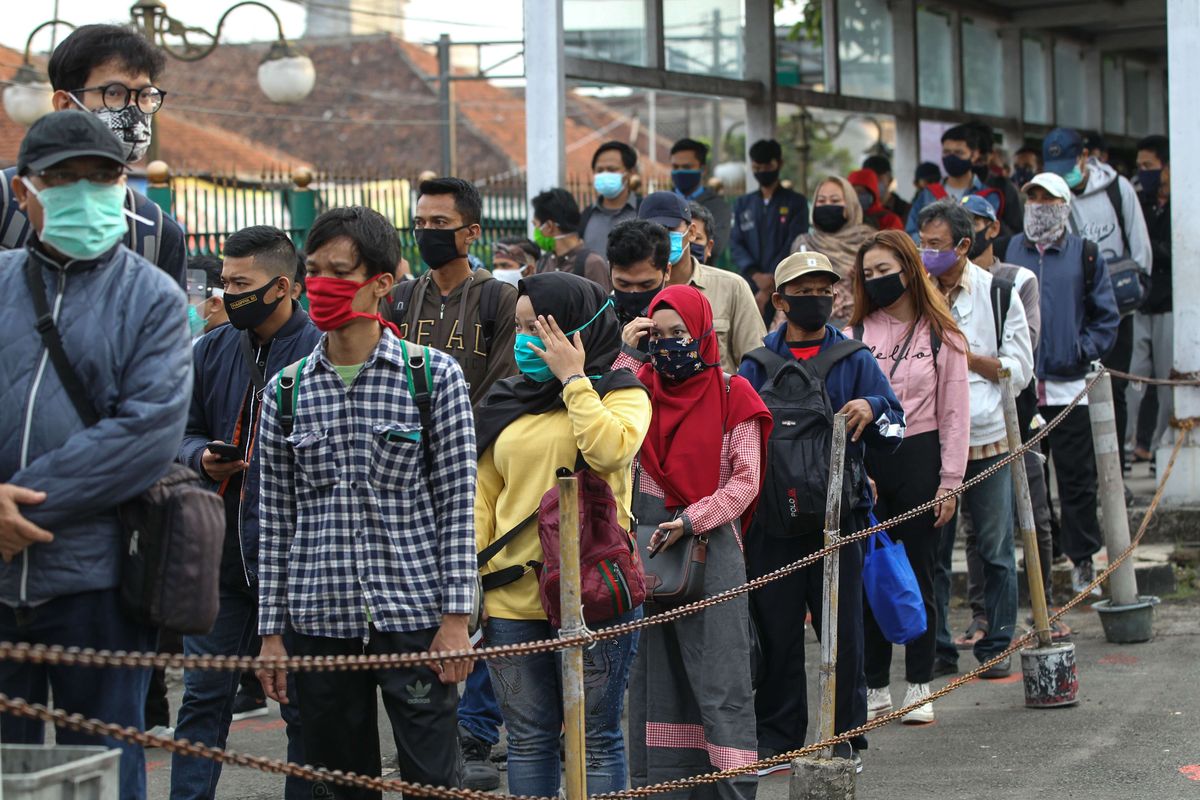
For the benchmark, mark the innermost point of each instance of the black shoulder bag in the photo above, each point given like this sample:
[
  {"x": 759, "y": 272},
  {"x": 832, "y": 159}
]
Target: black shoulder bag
[{"x": 172, "y": 534}]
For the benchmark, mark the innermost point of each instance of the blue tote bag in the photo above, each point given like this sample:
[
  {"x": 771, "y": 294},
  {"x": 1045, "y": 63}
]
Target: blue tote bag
[{"x": 892, "y": 591}]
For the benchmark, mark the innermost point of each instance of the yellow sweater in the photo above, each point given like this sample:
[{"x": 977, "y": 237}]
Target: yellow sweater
[{"x": 520, "y": 467}]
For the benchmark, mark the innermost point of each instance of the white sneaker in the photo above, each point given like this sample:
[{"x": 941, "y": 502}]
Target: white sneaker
[
  {"x": 1083, "y": 574},
  {"x": 922, "y": 714},
  {"x": 879, "y": 701},
  {"x": 163, "y": 731}
]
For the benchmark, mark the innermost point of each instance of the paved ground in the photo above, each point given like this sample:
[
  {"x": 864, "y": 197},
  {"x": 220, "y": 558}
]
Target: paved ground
[{"x": 1134, "y": 734}]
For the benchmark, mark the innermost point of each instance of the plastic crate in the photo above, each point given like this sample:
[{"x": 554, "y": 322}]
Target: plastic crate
[{"x": 57, "y": 772}]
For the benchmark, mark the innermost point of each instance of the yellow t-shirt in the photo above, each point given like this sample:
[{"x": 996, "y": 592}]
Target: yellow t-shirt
[{"x": 520, "y": 467}]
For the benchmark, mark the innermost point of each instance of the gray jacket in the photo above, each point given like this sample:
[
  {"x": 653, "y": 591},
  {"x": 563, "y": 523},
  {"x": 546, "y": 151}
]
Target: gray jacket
[{"x": 124, "y": 328}]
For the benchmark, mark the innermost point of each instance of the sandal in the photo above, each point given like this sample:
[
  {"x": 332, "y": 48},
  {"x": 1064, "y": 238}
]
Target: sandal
[{"x": 974, "y": 633}]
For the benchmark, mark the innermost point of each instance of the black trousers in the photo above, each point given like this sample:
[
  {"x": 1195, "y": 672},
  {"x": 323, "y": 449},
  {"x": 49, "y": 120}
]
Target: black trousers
[
  {"x": 1119, "y": 358},
  {"x": 781, "y": 702},
  {"x": 1075, "y": 470},
  {"x": 158, "y": 709},
  {"x": 339, "y": 714},
  {"x": 904, "y": 480}
]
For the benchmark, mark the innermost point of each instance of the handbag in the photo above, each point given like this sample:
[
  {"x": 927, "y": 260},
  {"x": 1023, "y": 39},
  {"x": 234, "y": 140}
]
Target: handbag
[
  {"x": 172, "y": 534},
  {"x": 675, "y": 575},
  {"x": 891, "y": 589}
]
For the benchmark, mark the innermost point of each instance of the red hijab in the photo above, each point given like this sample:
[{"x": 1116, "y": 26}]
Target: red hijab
[{"x": 682, "y": 450}]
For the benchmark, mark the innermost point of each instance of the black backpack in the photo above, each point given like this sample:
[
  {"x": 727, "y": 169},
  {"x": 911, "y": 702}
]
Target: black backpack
[{"x": 792, "y": 502}]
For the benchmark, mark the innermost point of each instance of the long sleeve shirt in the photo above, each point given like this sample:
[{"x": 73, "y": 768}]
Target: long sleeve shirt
[
  {"x": 935, "y": 396},
  {"x": 351, "y": 524},
  {"x": 763, "y": 231},
  {"x": 516, "y": 471}
]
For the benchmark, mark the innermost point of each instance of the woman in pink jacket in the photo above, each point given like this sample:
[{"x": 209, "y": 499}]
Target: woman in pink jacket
[{"x": 907, "y": 324}]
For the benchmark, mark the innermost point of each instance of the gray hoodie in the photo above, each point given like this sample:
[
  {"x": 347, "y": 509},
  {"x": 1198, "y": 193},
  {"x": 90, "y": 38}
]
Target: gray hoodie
[{"x": 1093, "y": 217}]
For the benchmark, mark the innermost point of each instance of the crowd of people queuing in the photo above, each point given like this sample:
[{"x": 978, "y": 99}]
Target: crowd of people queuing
[{"x": 372, "y": 434}]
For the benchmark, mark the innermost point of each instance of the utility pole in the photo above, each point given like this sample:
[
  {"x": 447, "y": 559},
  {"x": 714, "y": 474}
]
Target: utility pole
[
  {"x": 445, "y": 104},
  {"x": 148, "y": 11}
]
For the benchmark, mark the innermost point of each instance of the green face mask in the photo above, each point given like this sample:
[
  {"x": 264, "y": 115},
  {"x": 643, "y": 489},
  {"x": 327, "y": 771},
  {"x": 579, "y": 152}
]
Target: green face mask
[
  {"x": 546, "y": 243},
  {"x": 83, "y": 220}
]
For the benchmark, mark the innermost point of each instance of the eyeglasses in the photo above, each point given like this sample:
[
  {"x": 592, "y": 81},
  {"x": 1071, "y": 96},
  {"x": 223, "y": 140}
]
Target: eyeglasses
[
  {"x": 118, "y": 97},
  {"x": 63, "y": 177}
]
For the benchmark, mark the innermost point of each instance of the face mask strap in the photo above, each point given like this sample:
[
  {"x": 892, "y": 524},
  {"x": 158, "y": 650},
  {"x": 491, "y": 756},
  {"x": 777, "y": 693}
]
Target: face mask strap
[{"x": 596, "y": 316}]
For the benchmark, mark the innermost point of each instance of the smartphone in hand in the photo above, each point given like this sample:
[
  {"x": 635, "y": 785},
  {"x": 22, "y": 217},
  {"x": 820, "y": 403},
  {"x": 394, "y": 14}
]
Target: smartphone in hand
[{"x": 225, "y": 453}]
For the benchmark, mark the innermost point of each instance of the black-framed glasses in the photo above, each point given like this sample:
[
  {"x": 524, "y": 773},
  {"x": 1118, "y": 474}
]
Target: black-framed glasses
[
  {"x": 118, "y": 97},
  {"x": 104, "y": 176}
]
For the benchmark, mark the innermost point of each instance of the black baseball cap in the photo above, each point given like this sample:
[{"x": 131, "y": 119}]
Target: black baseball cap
[
  {"x": 666, "y": 208},
  {"x": 62, "y": 135}
]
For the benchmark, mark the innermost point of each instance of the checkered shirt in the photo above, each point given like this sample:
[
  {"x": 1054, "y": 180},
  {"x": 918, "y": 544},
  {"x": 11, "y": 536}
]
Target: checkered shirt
[{"x": 350, "y": 522}]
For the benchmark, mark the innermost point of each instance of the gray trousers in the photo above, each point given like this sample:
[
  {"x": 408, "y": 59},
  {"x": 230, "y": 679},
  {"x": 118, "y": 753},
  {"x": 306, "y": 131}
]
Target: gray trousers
[{"x": 1153, "y": 354}]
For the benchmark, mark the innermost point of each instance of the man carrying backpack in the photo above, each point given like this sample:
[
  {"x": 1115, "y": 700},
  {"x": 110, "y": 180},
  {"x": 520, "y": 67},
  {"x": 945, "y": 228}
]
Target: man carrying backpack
[
  {"x": 109, "y": 71},
  {"x": 998, "y": 337},
  {"x": 806, "y": 371},
  {"x": 366, "y": 533},
  {"x": 1079, "y": 326},
  {"x": 465, "y": 313}
]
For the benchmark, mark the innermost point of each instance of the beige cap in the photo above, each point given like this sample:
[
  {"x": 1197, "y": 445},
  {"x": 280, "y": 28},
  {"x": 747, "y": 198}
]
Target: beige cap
[{"x": 797, "y": 265}]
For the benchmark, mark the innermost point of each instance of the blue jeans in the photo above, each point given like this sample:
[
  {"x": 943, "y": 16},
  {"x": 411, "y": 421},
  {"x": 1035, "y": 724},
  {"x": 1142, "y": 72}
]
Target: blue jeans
[
  {"x": 991, "y": 508},
  {"x": 207, "y": 707},
  {"x": 117, "y": 694},
  {"x": 529, "y": 689},
  {"x": 478, "y": 711}
]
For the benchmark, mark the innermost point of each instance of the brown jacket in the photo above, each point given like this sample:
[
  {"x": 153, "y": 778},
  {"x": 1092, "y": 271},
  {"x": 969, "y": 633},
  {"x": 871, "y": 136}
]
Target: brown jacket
[{"x": 485, "y": 353}]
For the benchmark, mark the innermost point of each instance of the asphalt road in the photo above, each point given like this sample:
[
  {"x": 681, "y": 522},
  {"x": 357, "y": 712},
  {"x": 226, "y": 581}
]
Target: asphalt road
[{"x": 1134, "y": 734}]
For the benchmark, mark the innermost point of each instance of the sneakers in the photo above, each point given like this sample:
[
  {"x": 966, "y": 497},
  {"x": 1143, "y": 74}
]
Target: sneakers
[
  {"x": 479, "y": 773},
  {"x": 999, "y": 670},
  {"x": 1083, "y": 574},
  {"x": 922, "y": 714},
  {"x": 844, "y": 750},
  {"x": 163, "y": 731},
  {"x": 249, "y": 703},
  {"x": 879, "y": 702},
  {"x": 765, "y": 753}
]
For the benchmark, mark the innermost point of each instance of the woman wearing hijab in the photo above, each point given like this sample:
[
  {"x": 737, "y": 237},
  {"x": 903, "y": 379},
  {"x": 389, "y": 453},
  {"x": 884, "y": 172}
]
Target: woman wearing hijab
[
  {"x": 837, "y": 231},
  {"x": 875, "y": 213},
  {"x": 565, "y": 403},
  {"x": 909, "y": 329},
  {"x": 699, "y": 473}
]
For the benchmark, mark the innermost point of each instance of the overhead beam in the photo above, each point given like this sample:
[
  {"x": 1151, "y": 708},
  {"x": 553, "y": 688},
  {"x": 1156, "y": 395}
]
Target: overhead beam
[
  {"x": 597, "y": 71},
  {"x": 1149, "y": 39},
  {"x": 1083, "y": 14}
]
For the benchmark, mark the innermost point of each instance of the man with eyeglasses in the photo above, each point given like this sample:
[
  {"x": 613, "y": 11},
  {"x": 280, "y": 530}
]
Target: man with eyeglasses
[
  {"x": 110, "y": 71},
  {"x": 121, "y": 328}
]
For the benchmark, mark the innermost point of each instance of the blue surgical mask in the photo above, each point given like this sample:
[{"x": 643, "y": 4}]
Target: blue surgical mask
[
  {"x": 83, "y": 220},
  {"x": 196, "y": 322},
  {"x": 676, "y": 246},
  {"x": 1074, "y": 177},
  {"x": 609, "y": 184},
  {"x": 530, "y": 363}
]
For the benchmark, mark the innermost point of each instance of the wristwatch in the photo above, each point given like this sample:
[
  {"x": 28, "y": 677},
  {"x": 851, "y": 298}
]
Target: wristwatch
[{"x": 572, "y": 378}]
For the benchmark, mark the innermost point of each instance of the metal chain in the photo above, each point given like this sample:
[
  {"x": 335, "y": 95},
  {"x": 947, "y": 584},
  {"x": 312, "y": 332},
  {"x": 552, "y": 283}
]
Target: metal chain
[
  {"x": 1180, "y": 379},
  {"x": 87, "y": 657},
  {"x": 183, "y": 747}
]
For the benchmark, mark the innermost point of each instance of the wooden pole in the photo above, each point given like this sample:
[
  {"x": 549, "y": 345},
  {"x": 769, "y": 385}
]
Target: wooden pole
[
  {"x": 827, "y": 677},
  {"x": 571, "y": 605},
  {"x": 1025, "y": 521}
]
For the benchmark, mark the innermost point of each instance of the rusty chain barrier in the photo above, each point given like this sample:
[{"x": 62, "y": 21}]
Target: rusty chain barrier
[{"x": 88, "y": 658}]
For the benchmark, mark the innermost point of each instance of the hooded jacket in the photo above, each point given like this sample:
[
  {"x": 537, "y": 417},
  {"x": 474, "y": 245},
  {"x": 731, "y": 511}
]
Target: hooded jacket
[
  {"x": 1094, "y": 217},
  {"x": 485, "y": 352},
  {"x": 876, "y": 215},
  {"x": 124, "y": 328}
]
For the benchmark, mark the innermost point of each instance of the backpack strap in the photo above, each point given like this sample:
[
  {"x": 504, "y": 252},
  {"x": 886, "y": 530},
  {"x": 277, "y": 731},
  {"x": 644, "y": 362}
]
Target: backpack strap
[
  {"x": 858, "y": 331},
  {"x": 937, "y": 190},
  {"x": 768, "y": 359},
  {"x": 420, "y": 386},
  {"x": 580, "y": 265},
  {"x": 824, "y": 361},
  {"x": 144, "y": 240},
  {"x": 13, "y": 223},
  {"x": 1113, "y": 190},
  {"x": 287, "y": 394},
  {"x": 1091, "y": 254},
  {"x": 489, "y": 304},
  {"x": 935, "y": 345},
  {"x": 400, "y": 302},
  {"x": 1001, "y": 300}
]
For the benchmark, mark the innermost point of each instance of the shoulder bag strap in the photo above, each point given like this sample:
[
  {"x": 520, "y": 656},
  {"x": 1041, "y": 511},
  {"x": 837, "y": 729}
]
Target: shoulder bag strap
[
  {"x": 80, "y": 398},
  {"x": 256, "y": 374},
  {"x": 1113, "y": 190}
]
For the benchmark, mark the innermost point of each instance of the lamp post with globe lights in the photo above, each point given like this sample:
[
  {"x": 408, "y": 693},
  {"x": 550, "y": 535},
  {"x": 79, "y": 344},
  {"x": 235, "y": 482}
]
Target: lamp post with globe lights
[{"x": 27, "y": 98}]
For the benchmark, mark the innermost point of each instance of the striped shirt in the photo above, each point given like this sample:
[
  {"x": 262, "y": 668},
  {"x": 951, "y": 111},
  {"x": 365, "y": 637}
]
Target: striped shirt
[{"x": 354, "y": 533}]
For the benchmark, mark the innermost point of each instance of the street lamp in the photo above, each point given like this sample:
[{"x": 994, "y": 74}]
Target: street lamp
[{"x": 28, "y": 98}]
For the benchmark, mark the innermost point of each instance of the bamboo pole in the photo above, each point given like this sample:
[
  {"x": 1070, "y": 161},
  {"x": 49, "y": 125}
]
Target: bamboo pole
[{"x": 571, "y": 605}]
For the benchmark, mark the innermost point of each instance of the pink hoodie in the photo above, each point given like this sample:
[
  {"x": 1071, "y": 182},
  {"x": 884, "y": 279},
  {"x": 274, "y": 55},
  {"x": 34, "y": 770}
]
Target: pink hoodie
[{"x": 935, "y": 398}]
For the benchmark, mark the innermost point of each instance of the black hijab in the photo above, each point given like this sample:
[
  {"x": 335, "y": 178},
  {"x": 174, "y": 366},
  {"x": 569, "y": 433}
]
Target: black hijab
[{"x": 572, "y": 301}]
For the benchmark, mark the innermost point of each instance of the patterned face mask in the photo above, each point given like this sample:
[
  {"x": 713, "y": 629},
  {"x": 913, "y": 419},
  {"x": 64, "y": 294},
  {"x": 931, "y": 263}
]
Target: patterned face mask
[
  {"x": 678, "y": 359},
  {"x": 1046, "y": 222},
  {"x": 130, "y": 125}
]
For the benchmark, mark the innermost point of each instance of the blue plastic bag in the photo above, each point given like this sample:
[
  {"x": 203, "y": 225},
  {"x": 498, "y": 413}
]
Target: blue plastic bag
[{"x": 891, "y": 588}]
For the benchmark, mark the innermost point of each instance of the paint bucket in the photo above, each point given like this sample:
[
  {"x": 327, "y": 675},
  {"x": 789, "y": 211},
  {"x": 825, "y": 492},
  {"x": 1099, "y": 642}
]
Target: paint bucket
[
  {"x": 1127, "y": 624},
  {"x": 1050, "y": 677}
]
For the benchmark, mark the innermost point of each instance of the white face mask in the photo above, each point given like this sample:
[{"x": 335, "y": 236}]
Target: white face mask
[{"x": 511, "y": 276}]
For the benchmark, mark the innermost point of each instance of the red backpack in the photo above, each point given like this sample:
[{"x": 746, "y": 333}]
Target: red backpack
[{"x": 610, "y": 570}]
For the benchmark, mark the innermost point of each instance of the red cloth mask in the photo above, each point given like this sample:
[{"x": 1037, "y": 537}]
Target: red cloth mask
[{"x": 330, "y": 303}]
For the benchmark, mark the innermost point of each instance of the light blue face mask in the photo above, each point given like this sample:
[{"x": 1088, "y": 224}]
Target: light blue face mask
[
  {"x": 1074, "y": 177},
  {"x": 530, "y": 363},
  {"x": 676, "y": 247},
  {"x": 608, "y": 184},
  {"x": 196, "y": 322},
  {"x": 83, "y": 220}
]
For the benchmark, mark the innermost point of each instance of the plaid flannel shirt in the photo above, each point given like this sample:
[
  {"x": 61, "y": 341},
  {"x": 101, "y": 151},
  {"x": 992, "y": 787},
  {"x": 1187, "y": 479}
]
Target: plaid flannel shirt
[{"x": 349, "y": 519}]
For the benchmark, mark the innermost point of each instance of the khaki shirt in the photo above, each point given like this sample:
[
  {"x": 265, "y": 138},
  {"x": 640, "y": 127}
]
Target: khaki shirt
[{"x": 736, "y": 320}]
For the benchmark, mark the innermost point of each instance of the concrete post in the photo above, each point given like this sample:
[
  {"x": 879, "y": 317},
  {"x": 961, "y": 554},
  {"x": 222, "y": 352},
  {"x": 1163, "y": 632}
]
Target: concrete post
[
  {"x": 545, "y": 145},
  {"x": 1183, "y": 59},
  {"x": 1122, "y": 583},
  {"x": 908, "y": 132},
  {"x": 759, "y": 48},
  {"x": 571, "y": 607}
]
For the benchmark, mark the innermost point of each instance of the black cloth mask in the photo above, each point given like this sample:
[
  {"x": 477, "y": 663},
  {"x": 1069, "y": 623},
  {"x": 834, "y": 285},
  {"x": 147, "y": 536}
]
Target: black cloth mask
[
  {"x": 830, "y": 219},
  {"x": 809, "y": 312},
  {"x": 438, "y": 246},
  {"x": 767, "y": 177},
  {"x": 979, "y": 243},
  {"x": 248, "y": 310},
  {"x": 885, "y": 290}
]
